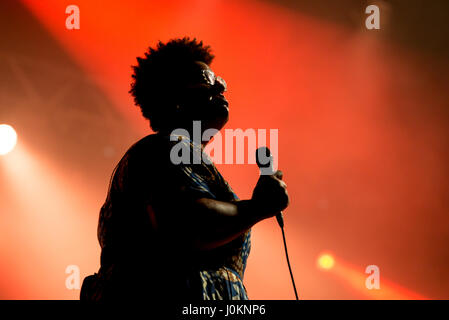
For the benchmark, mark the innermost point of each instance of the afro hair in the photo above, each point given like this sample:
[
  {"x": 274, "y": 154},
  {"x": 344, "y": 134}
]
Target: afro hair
[{"x": 158, "y": 74}]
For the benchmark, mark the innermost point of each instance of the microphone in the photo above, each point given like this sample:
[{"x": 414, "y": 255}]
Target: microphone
[{"x": 264, "y": 161}]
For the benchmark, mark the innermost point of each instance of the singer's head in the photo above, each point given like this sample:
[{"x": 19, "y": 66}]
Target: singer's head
[{"x": 173, "y": 86}]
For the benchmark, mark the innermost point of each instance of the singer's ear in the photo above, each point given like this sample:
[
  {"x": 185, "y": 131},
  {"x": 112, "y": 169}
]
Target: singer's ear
[{"x": 278, "y": 174}]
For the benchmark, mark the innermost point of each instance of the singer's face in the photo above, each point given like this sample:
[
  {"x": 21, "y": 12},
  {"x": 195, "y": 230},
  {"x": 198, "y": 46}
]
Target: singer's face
[{"x": 203, "y": 99}]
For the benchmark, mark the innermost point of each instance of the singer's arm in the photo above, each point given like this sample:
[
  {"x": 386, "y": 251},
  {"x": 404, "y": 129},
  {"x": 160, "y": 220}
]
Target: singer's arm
[
  {"x": 216, "y": 223},
  {"x": 207, "y": 223}
]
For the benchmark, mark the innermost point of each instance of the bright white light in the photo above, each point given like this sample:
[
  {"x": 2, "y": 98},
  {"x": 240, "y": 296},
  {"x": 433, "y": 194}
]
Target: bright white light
[{"x": 8, "y": 139}]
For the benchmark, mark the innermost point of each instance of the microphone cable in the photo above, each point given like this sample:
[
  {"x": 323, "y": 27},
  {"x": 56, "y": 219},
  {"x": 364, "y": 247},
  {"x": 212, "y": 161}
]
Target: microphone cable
[
  {"x": 266, "y": 168},
  {"x": 280, "y": 219}
]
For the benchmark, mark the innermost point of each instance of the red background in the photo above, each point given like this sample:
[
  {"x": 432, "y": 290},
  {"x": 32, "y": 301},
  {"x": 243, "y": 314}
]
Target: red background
[{"x": 363, "y": 136}]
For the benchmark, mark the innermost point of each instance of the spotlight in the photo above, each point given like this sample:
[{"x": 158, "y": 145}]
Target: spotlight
[
  {"x": 8, "y": 139},
  {"x": 326, "y": 261}
]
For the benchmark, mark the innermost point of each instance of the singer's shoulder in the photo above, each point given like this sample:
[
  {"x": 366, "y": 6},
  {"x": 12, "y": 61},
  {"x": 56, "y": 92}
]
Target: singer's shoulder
[
  {"x": 149, "y": 144},
  {"x": 153, "y": 148}
]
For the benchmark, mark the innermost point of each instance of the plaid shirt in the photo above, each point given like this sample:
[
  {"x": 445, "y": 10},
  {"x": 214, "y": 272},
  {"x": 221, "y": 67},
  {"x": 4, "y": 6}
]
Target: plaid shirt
[{"x": 138, "y": 237}]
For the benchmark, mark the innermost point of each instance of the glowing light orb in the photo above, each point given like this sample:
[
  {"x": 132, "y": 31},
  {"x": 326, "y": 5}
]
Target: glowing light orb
[
  {"x": 326, "y": 261},
  {"x": 8, "y": 139}
]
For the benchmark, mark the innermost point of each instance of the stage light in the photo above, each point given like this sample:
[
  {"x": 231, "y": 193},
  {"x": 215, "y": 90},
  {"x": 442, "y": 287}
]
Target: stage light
[
  {"x": 326, "y": 261},
  {"x": 8, "y": 139}
]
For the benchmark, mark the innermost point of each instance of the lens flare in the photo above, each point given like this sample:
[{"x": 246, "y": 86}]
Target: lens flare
[
  {"x": 8, "y": 139},
  {"x": 326, "y": 261}
]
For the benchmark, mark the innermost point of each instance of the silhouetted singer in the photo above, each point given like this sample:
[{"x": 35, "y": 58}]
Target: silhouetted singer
[{"x": 177, "y": 231}]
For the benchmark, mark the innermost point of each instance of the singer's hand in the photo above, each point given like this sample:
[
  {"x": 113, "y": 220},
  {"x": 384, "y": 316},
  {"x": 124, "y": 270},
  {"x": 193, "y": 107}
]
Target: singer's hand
[{"x": 270, "y": 195}]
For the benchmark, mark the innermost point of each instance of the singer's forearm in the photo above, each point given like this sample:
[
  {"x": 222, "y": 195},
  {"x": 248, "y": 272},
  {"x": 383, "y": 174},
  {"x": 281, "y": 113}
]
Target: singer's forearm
[{"x": 215, "y": 223}]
